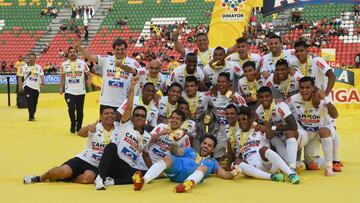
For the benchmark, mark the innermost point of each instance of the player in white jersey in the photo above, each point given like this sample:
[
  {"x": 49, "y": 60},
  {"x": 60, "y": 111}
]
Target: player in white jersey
[
  {"x": 274, "y": 118},
  {"x": 312, "y": 115},
  {"x": 188, "y": 124},
  {"x": 231, "y": 130},
  {"x": 31, "y": 77},
  {"x": 218, "y": 65},
  {"x": 198, "y": 101},
  {"x": 187, "y": 69},
  {"x": 268, "y": 61},
  {"x": 255, "y": 158},
  {"x": 153, "y": 75},
  {"x": 146, "y": 100},
  {"x": 249, "y": 84},
  {"x": 117, "y": 72},
  {"x": 84, "y": 167},
  {"x": 168, "y": 103},
  {"x": 120, "y": 158},
  {"x": 314, "y": 67},
  {"x": 74, "y": 74},
  {"x": 243, "y": 55},
  {"x": 164, "y": 135},
  {"x": 283, "y": 82},
  {"x": 217, "y": 105},
  {"x": 325, "y": 78}
]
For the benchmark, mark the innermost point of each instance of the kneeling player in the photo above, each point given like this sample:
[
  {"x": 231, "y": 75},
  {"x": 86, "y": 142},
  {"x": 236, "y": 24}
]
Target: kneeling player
[
  {"x": 253, "y": 148},
  {"x": 312, "y": 117},
  {"x": 84, "y": 167},
  {"x": 186, "y": 167}
]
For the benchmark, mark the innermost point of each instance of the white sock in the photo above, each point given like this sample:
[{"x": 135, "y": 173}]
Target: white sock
[
  {"x": 197, "y": 176},
  {"x": 154, "y": 171},
  {"x": 311, "y": 150},
  {"x": 291, "y": 149},
  {"x": 280, "y": 147},
  {"x": 277, "y": 161},
  {"x": 254, "y": 172},
  {"x": 327, "y": 147},
  {"x": 336, "y": 146}
]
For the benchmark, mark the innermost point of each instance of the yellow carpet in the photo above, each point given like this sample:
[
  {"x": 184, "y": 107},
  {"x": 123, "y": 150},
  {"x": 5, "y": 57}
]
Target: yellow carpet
[{"x": 34, "y": 147}]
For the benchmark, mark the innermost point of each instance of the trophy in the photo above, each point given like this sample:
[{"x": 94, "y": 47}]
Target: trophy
[{"x": 207, "y": 120}]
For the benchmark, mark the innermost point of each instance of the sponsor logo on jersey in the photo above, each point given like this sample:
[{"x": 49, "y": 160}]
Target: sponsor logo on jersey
[
  {"x": 116, "y": 84},
  {"x": 130, "y": 155}
]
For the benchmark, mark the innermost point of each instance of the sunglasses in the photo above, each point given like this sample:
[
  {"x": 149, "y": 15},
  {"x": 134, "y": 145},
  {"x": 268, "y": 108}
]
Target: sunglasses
[{"x": 138, "y": 115}]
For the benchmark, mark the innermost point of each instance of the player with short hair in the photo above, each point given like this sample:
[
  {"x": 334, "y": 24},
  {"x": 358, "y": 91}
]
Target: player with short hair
[
  {"x": 187, "y": 69},
  {"x": 146, "y": 100},
  {"x": 283, "y": 82},
  {"x": 74, "y": 75},
  {"x": 117, "y": 72},
  {"x": 312, "y": 117},
  {"x": 84, "y": 167},
  {"x": 275, "y": 119},
  {"x": 268, "y": 61},
  {"x": 243, "y": 54},
  {"x": 186, "y": 167},
  {"x": 188, "y": 124},
  {"x": 168, "y": 104},
  {"x": 153, "y": 75},
  {"x": 218, "y": 65},
  {"x": 232, "y": 130},
  {"x": 249, "y": 84},
  {"x": 255, "y": 158},
  {"x": 217, "y": 105},
  {"x": 163, "y": 136},
  {"x": 30, "y": 79},
  {"x": 120, "y": 158}
]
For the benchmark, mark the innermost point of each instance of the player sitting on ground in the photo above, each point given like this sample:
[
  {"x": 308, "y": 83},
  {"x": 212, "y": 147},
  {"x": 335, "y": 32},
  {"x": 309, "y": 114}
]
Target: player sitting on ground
[
  {"x": 186, "y": 167},
  {"x": 254, "y": 149},
  {"x": 84, "y": 167}
]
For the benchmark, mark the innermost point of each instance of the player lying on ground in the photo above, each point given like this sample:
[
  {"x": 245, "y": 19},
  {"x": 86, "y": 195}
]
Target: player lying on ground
[
  {"x": 253, "y": 148},
  {"x": 186, "y": 167},
  {"x": 84, "y": 167}
]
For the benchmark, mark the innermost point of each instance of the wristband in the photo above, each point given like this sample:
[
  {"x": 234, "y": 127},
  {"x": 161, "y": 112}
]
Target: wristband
[
  {"x": 273, "y": 128},
  {"x": 327, "y": 100}
]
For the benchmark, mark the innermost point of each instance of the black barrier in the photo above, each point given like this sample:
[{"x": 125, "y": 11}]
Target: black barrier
[{"x": 8, "y": 89}]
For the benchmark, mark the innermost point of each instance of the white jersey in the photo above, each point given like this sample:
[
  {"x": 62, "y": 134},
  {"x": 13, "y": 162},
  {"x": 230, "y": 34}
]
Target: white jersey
[
  {"x": 232, "y": 133},
  {"x": 160, "y": 82},
  {"x": 116, "y": 82},
  {"x": 200, "y": 101},
  {"x": 131, "y": 143},
  {"x": 248, "y": 89},
  {"x": 212, "y": 74},
  {"x": 74, "y": 76},
  {"x": 190, "y": 126},
  {"x": 203, "y": 58},
  {"x": 151, "y": 110},
  {"x": 234, "y": 57},
  {"x": 286, "y": 88},
  {"x": 317, "y": 70},
  {"x": 253, "y": 141},
  {"x": 32, "y": 76},
  {"x": 268, "y": 61},
  {"x": 161, "y": 147},
  {"x": 96, "y": 143},
  {"x": 179, "y": 74},
  {"x": 309, "y": 117},
  {"x": 165, "y": 108},
  {"x": 277, "y": 116},
  {"x": 219, "y": 104}
]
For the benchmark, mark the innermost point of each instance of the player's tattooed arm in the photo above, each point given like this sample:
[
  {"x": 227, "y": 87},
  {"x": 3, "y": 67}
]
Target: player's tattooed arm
[{"x": 290, "y": 124}]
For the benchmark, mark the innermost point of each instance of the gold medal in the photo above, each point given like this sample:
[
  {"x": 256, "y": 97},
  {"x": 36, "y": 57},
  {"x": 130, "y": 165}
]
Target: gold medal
[{"x": 228, "y": 93}]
